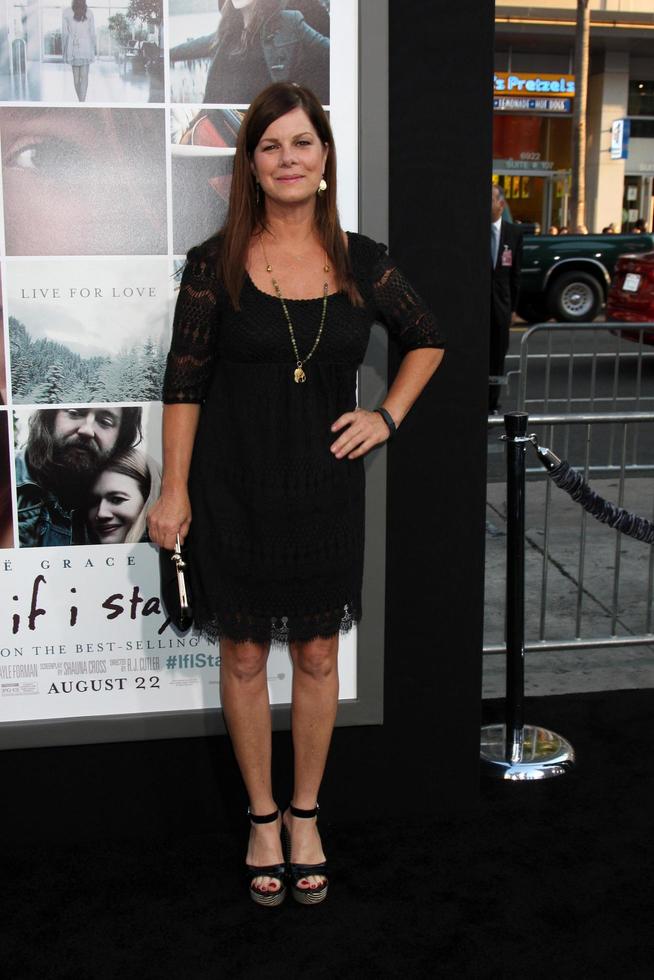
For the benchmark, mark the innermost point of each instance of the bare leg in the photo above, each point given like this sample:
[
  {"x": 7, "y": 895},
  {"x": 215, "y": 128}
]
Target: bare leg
[
  {"x": 83, "y": 82},
  {"x": 244, "y": 697},
  {"x": 76, "y": 81},
  {"x": 315, "y": 700}
]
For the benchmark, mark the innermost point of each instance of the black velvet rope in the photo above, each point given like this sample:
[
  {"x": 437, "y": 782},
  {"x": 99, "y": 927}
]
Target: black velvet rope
[{"x": 574, "y": 484}]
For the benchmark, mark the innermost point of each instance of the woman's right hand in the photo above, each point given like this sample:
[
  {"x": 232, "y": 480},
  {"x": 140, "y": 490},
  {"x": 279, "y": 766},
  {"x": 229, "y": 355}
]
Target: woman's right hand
[{"x": 170, "y": 516}]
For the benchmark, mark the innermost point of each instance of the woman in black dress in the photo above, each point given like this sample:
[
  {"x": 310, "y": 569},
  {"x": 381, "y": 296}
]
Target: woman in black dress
[{"x": 264, "y": 446}]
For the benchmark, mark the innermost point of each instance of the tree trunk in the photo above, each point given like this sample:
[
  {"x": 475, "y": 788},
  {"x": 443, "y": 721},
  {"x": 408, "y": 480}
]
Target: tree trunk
[{"x": 582, "y": 47}]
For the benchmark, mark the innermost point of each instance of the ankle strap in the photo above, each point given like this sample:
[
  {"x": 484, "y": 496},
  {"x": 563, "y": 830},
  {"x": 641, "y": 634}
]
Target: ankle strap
[
  {"x": 303, "y": 813},
  {"x": 266, "y": 818}
]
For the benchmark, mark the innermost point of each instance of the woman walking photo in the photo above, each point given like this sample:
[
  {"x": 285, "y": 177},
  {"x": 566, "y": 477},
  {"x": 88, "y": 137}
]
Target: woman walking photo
[{"x": 79, "y": 44}]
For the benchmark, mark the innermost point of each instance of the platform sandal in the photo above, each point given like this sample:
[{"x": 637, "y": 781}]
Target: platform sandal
[
  {"x": 305, "y": 896},
  {"x": 277, "y": 871}
]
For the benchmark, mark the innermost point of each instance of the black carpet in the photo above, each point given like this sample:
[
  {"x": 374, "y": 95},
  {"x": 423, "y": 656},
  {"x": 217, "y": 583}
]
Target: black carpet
[{"x": 550, "y": 880}]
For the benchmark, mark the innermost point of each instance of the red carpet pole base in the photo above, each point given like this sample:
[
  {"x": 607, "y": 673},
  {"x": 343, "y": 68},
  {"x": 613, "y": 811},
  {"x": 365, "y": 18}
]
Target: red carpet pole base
[{"x": 536, "y": 753}]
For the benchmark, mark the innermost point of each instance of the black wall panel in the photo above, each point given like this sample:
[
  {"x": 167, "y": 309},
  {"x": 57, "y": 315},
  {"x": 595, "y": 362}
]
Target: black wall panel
[{"x": 440, "y": 165}]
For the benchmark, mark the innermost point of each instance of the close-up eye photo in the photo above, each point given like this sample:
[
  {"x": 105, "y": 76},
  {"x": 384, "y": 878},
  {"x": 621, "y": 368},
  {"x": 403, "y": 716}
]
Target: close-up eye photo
[{"x": 83, "y": 182}]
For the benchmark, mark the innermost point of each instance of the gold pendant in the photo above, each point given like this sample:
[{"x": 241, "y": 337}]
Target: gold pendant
[{"x": 299, "y": 376}]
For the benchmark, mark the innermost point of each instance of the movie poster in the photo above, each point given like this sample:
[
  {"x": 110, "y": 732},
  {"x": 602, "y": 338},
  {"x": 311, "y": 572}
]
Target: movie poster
[{"x": 117, "y": 134}]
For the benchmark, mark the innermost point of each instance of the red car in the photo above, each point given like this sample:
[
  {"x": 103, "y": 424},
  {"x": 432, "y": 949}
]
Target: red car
[{"x": 631, "y": 296}]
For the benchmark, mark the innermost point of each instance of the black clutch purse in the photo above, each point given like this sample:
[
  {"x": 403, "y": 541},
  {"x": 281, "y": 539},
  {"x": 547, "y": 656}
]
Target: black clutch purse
[{"x": 175, "y": 587}]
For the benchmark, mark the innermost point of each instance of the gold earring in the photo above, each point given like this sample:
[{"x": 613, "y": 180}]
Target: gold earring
[{"x": 322, "y": 186}]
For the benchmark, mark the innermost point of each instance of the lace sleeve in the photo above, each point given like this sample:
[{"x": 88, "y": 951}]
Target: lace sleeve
[
  {"x": 192, "y": 350},
  {"x": 401, "y": 309}
]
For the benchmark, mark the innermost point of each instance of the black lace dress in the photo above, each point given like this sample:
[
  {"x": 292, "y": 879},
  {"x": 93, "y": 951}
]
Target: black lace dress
[{"x": 276, "y": 540}]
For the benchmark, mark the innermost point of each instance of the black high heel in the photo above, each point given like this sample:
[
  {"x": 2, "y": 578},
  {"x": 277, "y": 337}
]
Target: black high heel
[
  {"x": 277, "y": 871},
  {"x": 305, "y": 896}
]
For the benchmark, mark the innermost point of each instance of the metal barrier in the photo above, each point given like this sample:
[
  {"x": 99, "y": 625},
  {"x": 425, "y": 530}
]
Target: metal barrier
[
  {"x": 589, "y": 369},
  {"x": 569, "y": 554}
]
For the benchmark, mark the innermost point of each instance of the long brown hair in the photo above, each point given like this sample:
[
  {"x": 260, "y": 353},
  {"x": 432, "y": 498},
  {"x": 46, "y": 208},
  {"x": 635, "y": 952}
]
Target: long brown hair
[
  {"x": 246, "y": 215},
  {"x": 233, "y": 36}
]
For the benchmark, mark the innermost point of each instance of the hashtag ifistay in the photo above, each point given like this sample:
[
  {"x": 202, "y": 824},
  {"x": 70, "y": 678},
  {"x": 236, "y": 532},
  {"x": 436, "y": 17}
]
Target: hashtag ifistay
[{"x": 177, "y": 661}]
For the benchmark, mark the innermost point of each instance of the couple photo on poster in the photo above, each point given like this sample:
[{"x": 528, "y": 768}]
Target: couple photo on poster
[
  {"x": 73, "y": 51},
  {"x": 224, "y": 52},
  {"x": 6, "y": 517},
  {"x": 84, "y": 475},
  {"x": 6, "y": 526},
  {"x": 88, "y": 330}
]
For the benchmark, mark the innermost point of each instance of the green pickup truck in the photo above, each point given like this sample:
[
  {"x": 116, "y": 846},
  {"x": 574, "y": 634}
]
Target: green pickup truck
[{"x": 568, "y": 276}]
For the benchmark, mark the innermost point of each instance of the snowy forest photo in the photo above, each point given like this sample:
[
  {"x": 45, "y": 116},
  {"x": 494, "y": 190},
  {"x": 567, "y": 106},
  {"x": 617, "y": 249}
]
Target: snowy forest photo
[{"x": 43, "y": 371}]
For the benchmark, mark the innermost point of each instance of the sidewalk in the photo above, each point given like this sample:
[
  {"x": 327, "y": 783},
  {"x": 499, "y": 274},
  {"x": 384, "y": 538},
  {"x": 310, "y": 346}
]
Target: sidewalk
[{"x": 583, "y": 670}]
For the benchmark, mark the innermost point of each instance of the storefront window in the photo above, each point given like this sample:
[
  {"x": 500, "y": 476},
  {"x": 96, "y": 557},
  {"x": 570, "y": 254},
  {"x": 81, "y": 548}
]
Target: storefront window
[
  {"x": 642, "y": 129},
  {"x": 641, "y": 98},
  {"x": 531, "y": 161},
  {"x": 630, "y": 211}
]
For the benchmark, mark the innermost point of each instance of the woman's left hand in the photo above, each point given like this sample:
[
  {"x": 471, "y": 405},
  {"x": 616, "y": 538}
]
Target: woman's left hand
[{"x": 362, "y": 431}]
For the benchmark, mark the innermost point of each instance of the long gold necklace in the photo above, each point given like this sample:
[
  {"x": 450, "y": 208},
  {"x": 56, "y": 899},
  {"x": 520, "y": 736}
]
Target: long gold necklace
[{"x": 299, "y": 375}]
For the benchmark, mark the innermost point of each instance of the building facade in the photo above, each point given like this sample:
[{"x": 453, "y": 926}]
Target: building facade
[{"x": 533, "y": 105}]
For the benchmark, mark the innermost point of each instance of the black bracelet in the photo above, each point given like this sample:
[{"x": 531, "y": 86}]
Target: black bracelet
[{"x": 388, "y": 419}]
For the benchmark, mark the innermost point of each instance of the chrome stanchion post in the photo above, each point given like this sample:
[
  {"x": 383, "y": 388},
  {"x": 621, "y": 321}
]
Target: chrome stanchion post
[
  {"x": 516, "y": 438},
  {"x": 517, "y": 751}
]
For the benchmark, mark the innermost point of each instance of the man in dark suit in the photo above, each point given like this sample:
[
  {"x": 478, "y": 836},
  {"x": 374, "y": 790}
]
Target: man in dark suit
[{"x": 506, "y": 259}]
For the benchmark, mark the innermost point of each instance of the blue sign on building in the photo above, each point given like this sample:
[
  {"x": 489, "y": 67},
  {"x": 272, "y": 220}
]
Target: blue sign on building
[{"x": 620, "y": 133}]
